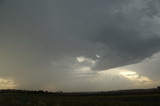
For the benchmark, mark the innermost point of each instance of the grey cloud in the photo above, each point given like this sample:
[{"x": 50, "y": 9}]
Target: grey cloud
[
  {"x": 34, "y": 33},
  {"x": 127, "y": 47},
  {"x": 152, "y": 8},
  {"x": 128, "y": 39}
]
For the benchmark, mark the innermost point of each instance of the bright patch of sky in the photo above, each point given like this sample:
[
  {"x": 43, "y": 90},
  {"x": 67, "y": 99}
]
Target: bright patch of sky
[{"x": 6, "y": 83}]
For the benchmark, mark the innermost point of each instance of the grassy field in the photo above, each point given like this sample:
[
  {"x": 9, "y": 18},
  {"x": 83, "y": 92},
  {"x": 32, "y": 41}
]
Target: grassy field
[{"x": 52, "y": 100}]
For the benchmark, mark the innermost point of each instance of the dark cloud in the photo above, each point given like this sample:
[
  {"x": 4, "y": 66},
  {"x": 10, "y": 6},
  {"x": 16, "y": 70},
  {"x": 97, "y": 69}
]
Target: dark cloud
[
  {"x": 40, "y": 39},
  {"x": 126, "y": 47}
]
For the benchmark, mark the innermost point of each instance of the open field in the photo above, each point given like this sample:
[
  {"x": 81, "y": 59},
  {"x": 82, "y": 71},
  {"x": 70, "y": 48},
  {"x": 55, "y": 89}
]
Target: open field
[{"x": 20, "y": 99}]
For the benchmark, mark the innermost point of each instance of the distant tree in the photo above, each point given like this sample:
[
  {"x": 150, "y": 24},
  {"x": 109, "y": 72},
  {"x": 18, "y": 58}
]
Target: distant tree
[
  {"x": 60, "y": 92},
  {"x": 158, "y": 87}
]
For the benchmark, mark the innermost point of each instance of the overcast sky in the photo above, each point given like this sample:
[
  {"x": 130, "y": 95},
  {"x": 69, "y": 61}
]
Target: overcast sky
[{"x": 79, "y": 45}]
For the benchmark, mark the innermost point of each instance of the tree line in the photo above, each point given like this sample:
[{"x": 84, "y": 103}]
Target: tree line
[{"x": 28, "y": 91}]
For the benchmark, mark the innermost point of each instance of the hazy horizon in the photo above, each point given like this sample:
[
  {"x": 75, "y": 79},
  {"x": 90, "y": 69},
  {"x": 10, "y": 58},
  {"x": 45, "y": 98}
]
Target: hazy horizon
[{"x": 79, "y": 45}]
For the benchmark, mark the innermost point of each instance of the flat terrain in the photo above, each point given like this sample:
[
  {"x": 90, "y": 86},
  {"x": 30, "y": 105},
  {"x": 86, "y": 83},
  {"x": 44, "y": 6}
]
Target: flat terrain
[{"x": 18, "y": 99}]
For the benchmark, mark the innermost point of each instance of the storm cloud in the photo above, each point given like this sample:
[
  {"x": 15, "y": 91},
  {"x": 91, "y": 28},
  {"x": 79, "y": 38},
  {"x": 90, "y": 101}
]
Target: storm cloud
[{"x": 40, "y": 40}]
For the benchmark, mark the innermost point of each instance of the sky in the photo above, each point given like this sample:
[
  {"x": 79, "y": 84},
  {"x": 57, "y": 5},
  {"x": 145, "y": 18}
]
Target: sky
[{"x": 79, "y": 45}]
